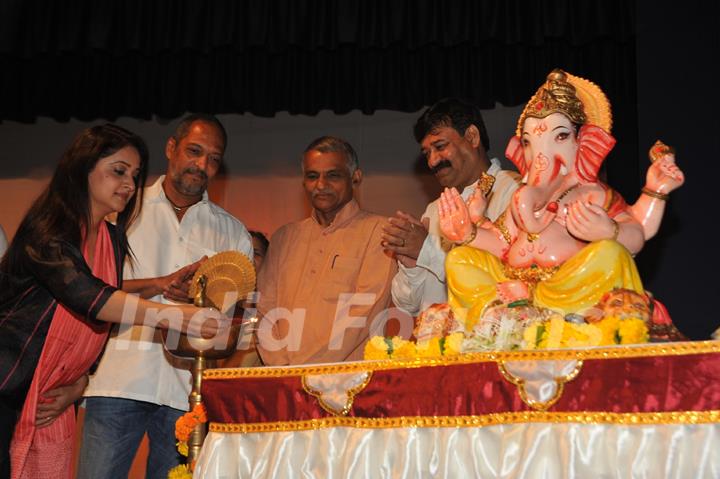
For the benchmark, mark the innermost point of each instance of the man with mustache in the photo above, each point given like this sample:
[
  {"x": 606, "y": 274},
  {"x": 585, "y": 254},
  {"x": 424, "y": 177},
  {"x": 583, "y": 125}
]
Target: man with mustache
[
  {"x": 139, "y": 388},
  {"x": 324, "y": 279},
  {"x": 454, "y": 141}
]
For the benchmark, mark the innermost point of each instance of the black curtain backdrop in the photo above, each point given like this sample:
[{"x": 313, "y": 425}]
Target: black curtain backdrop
[
  {"x": 90, "y": 59},
  {"x": 678, "y": 77}
]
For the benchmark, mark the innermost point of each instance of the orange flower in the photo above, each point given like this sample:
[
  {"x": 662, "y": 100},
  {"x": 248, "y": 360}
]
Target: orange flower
[
  {"x": 187, "y": 422},
  {"x": 183, "y": 428},
  {"x": 199, "y": 414}
]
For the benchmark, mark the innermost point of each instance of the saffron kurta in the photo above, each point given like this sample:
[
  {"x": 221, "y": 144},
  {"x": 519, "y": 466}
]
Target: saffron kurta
[{"x": 333, "y": 281}]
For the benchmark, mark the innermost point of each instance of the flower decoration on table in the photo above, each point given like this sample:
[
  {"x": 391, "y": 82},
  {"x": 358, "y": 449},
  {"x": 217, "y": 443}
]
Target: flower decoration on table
[
  {"x": 436, "y": 334},
  {"x": 501, "y": 326},
  {"x": 558, "y": 333},
  {"x": 622, "y": 316},
  {"x": 183, "y": 428},
  {"x": 398, "y": 348}
]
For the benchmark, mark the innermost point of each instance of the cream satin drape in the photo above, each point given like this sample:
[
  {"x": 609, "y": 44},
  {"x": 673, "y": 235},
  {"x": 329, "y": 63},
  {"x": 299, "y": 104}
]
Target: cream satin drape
[{"x": 520, "y": 451}]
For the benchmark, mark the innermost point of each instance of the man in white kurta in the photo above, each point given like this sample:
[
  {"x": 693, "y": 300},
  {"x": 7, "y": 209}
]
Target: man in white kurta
[
  {"x": 454, "y": 141},
  {"x": 138, "y": 387}
]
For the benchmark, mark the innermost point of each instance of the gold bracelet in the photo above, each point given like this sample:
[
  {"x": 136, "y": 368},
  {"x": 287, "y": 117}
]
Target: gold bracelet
[
  {"x": 616, "y": 232},
  {"x": 473, "y": 234},
  {"x": 500, "y": 225},
  {"x": 655, "y": 194},
  {"x": 482, "y": 221}
]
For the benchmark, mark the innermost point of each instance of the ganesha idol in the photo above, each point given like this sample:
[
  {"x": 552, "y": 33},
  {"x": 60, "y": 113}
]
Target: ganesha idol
[{"x": 566, "y": 239}]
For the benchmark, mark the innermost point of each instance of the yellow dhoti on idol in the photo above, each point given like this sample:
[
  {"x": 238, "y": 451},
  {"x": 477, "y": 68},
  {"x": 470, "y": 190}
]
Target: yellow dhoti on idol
[{"x": 577, "y": 284}]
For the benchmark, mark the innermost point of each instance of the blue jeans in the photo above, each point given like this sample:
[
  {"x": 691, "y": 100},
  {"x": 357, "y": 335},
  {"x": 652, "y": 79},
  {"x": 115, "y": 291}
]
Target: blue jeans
[{"x": 112, "y": 432}]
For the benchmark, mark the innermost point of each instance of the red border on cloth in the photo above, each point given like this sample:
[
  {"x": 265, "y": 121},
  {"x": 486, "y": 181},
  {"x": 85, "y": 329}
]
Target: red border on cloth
[{"x": 628, "y": 385}]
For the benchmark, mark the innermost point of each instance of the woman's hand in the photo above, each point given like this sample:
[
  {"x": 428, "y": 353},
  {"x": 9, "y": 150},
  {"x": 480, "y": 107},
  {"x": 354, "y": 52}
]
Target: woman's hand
[
  {"x": 204, "y": 322},
  {"x": 56, "y": 401}
]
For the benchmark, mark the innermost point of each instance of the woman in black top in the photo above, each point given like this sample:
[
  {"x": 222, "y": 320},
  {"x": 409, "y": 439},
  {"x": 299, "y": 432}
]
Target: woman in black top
[{"x": 54, "y": 309}]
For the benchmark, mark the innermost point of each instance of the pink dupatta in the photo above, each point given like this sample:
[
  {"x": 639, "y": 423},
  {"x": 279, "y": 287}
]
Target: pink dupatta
[{"x": 71, "y": 347}]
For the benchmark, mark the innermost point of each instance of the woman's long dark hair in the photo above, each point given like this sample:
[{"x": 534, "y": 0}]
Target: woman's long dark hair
[{"x": 62, "y": 212}]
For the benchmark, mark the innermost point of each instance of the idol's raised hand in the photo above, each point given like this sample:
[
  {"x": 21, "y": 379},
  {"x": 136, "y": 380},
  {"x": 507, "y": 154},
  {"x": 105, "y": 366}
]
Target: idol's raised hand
[{"x": 455, "y": 222}]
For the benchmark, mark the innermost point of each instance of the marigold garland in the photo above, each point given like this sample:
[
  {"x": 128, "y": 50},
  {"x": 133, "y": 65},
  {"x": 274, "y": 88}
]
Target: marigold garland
[
  {"x": 399, "y": 348},
  {"x": 188, "y": 421},
  {"x": 377, "y": 348},
  {"x": 182, "y": 448},
  {"x": 180, "y": 472},
  {"x": 552, "y": 333},
  {"x": 183, "y": 428},
  {"x": 557, "y": 333}
]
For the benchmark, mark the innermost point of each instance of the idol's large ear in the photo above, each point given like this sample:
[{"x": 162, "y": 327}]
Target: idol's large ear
[
  {"x": 514, "y": 152},
  {"x": 594, "y": 144}
]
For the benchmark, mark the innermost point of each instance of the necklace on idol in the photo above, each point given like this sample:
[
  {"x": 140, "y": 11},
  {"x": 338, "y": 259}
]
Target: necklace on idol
[{"x": 552, "y": 207}]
